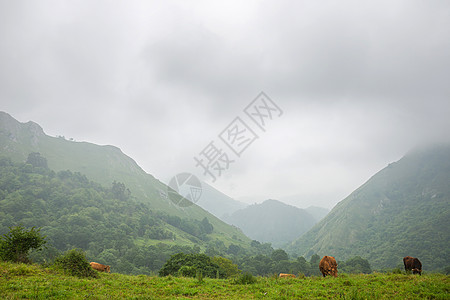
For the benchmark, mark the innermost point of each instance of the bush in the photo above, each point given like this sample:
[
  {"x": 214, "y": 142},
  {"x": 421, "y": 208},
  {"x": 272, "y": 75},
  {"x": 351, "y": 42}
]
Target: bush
[
  {"x": 273, "y": 276},
  {"x": 227, "y": 266},
  {"x": 74, "y": 262},
  {"x": 199, "y": 276},
  {"x": 191, "y": 263},
  {"x": 397, "y": 271},
  {"x": 187, "y": 271},
  {"x": 16, "y": 245},
  {"x": 447, "y": 270},
  {"x": 356, "y": 265},
  {"x": 245, "y": 278}
]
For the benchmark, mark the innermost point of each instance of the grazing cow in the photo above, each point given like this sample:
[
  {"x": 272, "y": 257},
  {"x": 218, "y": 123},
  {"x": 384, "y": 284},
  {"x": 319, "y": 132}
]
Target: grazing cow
[
  {"x": 328, "y": 266},
  {"x": 284, "y": 275},
  {"x": 100, "y": 267},
  {"x": 412, "y": 264}
]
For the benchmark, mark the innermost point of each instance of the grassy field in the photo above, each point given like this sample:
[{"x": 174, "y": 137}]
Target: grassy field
[{"x": 19, "y": 281}]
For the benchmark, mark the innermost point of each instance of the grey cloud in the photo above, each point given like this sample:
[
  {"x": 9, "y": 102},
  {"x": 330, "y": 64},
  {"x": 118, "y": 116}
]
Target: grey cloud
[
  {"x": 386, "y": 54},
  {"x": 359, "y": 82}
]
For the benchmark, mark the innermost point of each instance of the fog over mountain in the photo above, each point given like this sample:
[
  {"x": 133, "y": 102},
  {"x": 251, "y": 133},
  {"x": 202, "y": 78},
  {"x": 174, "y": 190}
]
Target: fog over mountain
[{"x": 356, "y": 85}]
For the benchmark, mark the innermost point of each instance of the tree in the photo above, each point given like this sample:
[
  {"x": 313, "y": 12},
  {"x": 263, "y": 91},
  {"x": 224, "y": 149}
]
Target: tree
[
  {"x": 36, "y": 160},
  {"x": 18, "y": 242},
  {"x": 279, "y": 255},
  {"x": 357, "y": 264},
  {"x": 255, "y": 244},
  {"x": 206, "y": 226},
  {"x": 302, "y": 265},
  {"x": 75, "y": 263},
  {"x": 314, "y": 260},
  {"x": 314, "y": 265},
  {"x": 120, "y": 191},
  {"x": 198, "y": 262},
  {"x": 233, "y": 249},
  {"x": 447, "y": 270},
  {"x": 229, "y": 268}
]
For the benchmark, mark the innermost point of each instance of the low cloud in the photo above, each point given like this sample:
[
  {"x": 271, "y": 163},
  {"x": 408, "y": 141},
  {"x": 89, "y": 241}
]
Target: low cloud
[{"x": 360, "y": 84}]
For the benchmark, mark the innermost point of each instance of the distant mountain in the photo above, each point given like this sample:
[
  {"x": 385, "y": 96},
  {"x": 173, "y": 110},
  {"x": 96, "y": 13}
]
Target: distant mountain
[
  {"x": 317, "y": 212},
  {"x": 105, "y": 165},
  {"x": 272, "y": 221},
  {"x": 402, "y": 210},
  {"x": 218, "y": 203}
]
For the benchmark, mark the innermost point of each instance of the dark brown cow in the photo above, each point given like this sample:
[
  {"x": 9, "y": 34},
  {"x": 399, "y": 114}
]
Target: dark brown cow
[
  {"x": 328, "y": 266},
  {"x": 100, "y": 267},
  {"x": 412, "y": 264}
]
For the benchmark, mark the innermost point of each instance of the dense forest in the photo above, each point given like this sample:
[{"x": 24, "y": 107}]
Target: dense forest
[
  {"x": 106, "y": 222},
  {"x": 113, "y": 228}
]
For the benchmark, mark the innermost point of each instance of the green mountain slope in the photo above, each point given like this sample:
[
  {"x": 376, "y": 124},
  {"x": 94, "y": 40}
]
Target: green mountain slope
[
  {"x": 402, "y": 210},
  {"x": 272, "y": 221},
  {"x": 107, "y": 223},
  {"x": 103, "y": 165}
]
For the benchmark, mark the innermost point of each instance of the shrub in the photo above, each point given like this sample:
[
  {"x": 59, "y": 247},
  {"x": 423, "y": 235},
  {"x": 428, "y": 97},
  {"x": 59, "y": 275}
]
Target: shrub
[
  {"x": 199, "y": 276},
  {"x": 356, "y": 265},
  {"x": 245, "y": 278},
  {"x": 447, "y": 270},
  {"x": 397, "y": 271},
  {"x": 274, "y": 276},
  {"x": 16, "y": 245},
  {"x": 74, "y": 262},
  {"x": 195, "y": 262},
  {"x": 187, "y": 271},
  {"x": 227, "y": 266}
]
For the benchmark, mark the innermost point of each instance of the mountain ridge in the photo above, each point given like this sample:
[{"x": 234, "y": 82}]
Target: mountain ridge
[
  {"x": 103, "y": 164},
  {"x": 218, "y": 203},
  {"x": 404, "y": 209},
  {"x": 272, "y": 221}
]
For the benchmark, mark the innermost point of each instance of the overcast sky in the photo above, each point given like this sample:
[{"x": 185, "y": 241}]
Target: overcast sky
[{"x": 357, "y": 83}]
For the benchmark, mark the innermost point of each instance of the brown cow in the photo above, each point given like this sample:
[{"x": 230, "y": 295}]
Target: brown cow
[
  {"x": 100, "y": 267},
  {"x": 284, "y": 275},
  {"x": 328, "y": 266},
  {"x": 412, "y": 264}
]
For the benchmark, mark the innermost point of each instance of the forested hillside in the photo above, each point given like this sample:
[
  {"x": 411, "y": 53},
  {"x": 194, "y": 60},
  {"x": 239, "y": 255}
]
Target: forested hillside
[
  {"x": 107, "y": 222},
  {"x": 402, "y": 210},
  {"x": 103, "y": 165}
]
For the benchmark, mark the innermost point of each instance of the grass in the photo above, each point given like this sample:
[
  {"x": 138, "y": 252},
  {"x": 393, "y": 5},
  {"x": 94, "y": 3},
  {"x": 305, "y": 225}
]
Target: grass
[{"x": 18, "y": 281}]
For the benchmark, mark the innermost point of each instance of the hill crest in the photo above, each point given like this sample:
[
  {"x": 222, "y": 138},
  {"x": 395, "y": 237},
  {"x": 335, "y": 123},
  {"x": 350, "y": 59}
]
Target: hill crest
[
  {"x": 402, "y": 210},
  {"x": 102, "y": 164},
  {"x": 272, "y": 221}
]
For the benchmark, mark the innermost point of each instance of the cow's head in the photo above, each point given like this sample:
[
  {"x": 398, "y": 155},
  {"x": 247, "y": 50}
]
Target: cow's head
[
  {"x": 334, "y": 272},
  {"x": 415, "y": 271},
  {"x": 108, "y": 269}
]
